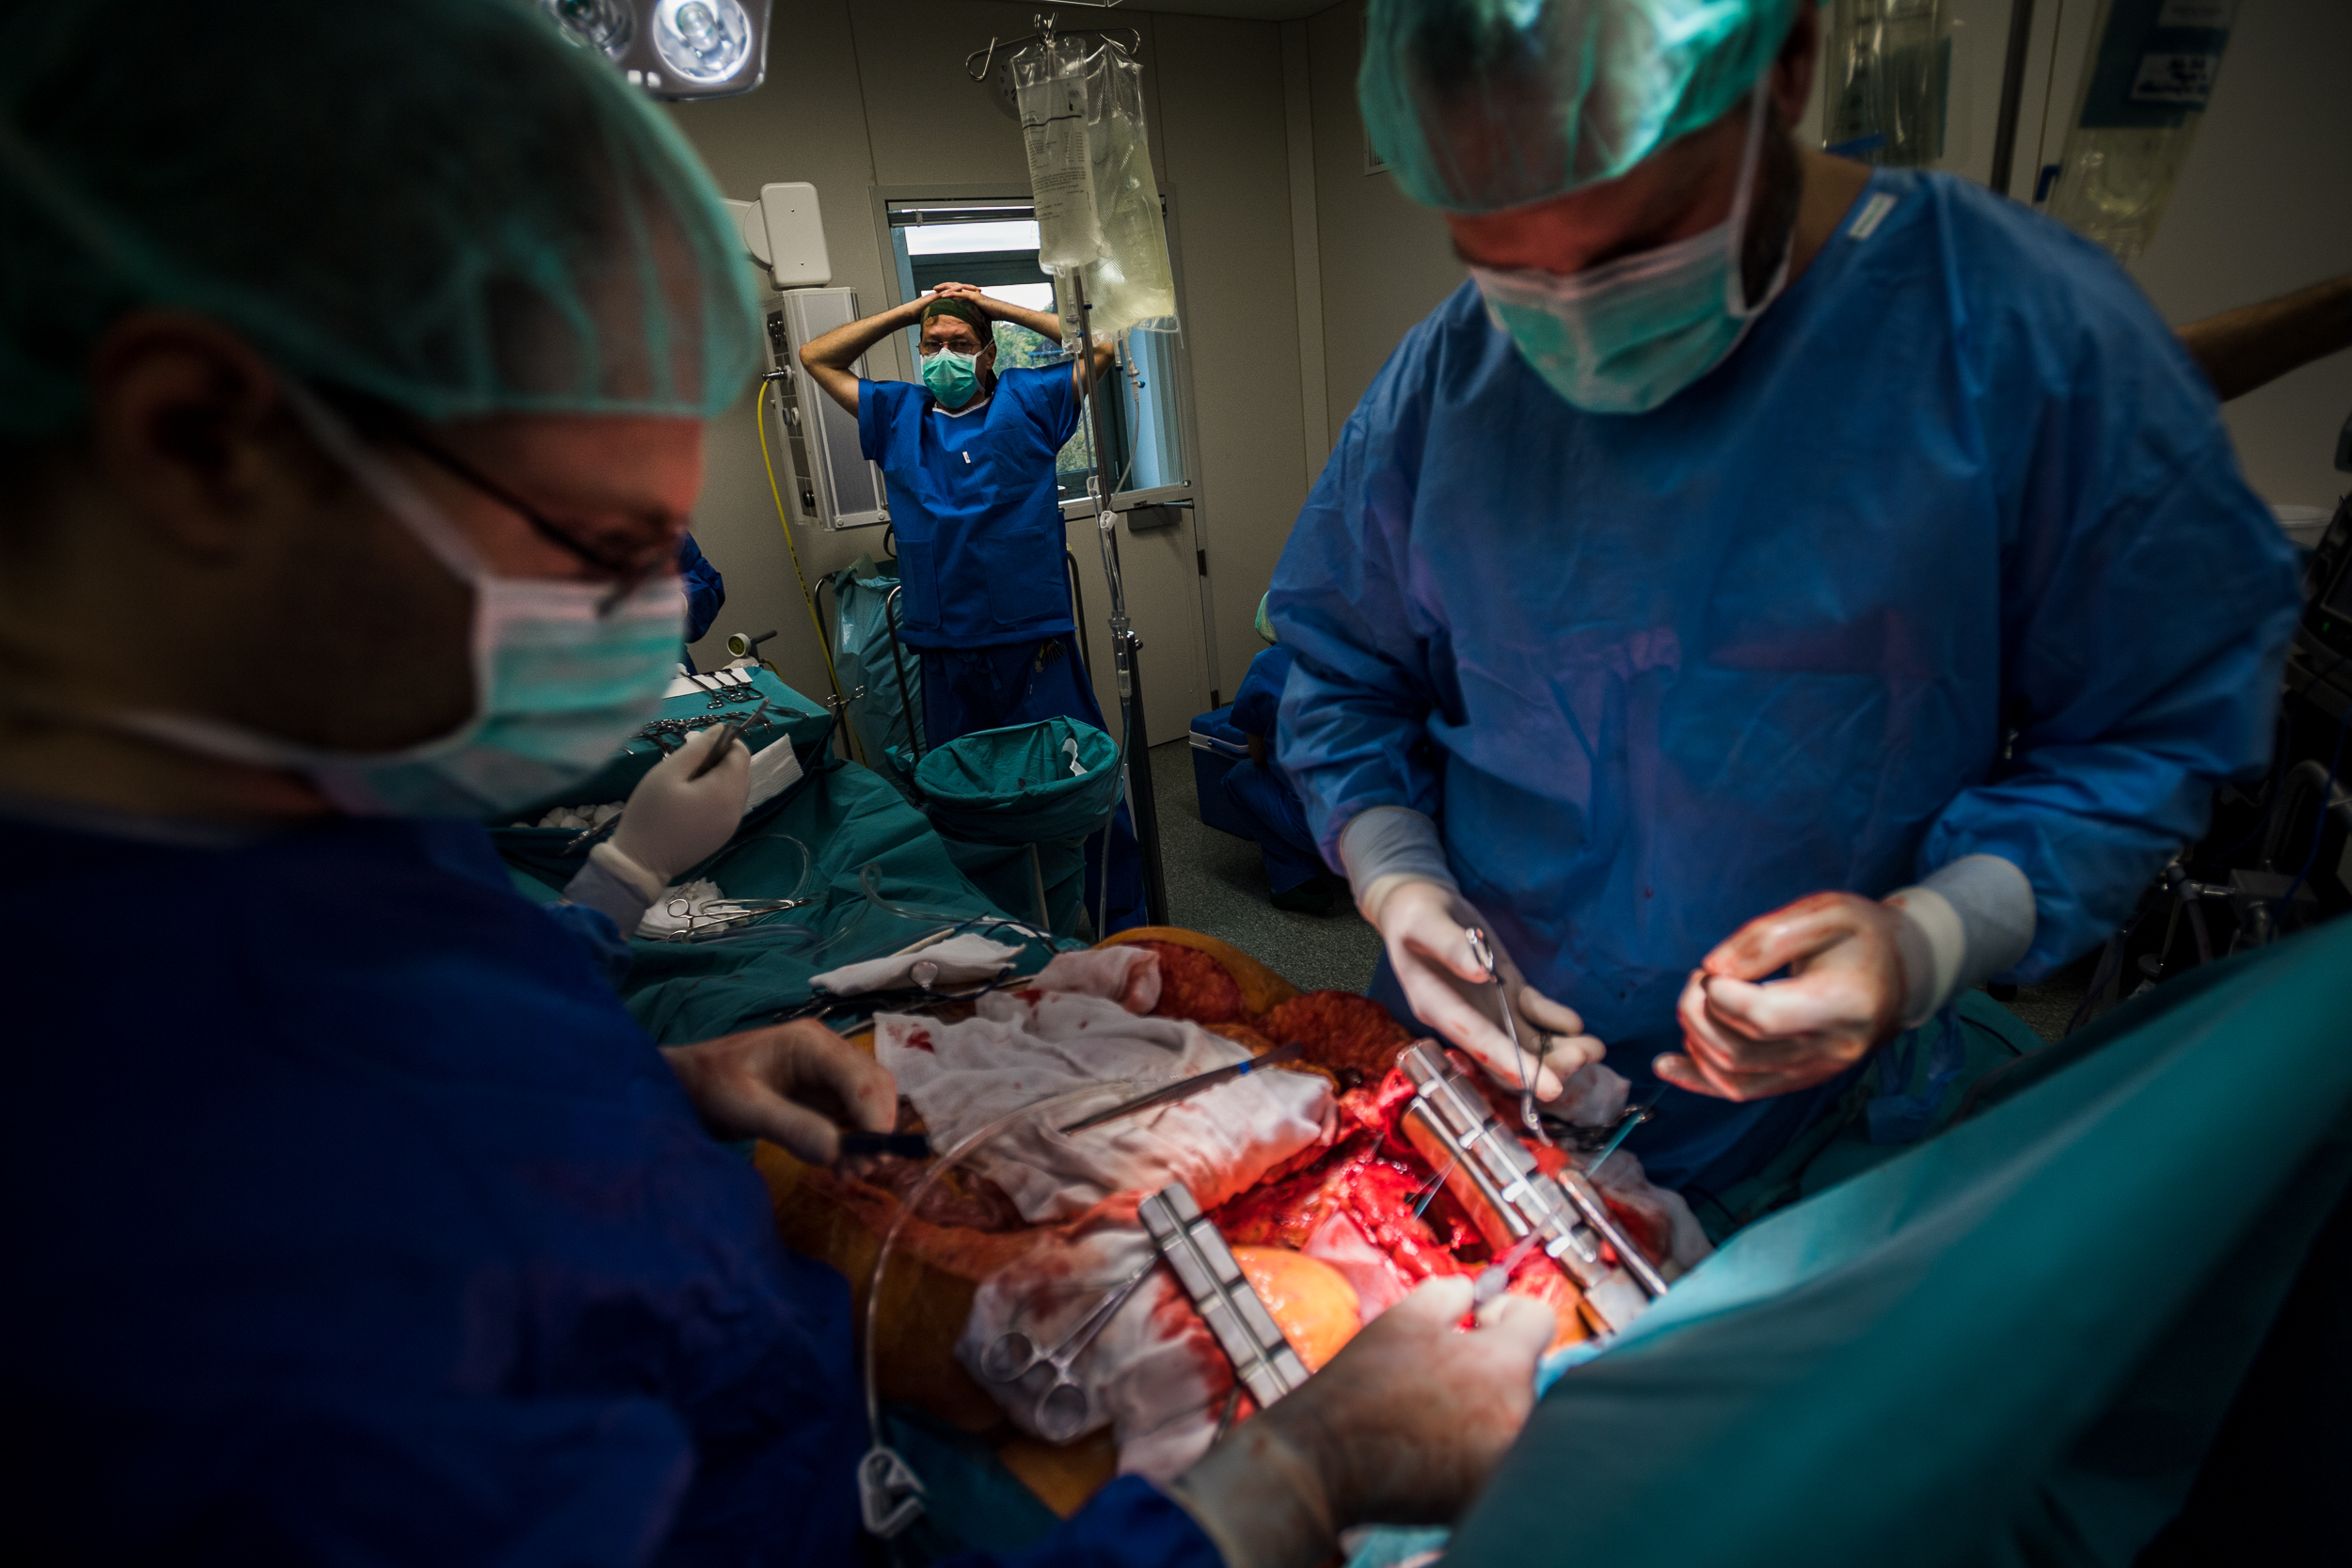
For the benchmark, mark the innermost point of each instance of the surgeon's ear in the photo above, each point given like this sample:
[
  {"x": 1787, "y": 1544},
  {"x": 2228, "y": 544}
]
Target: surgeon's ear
[
  {"x": 1791, "y": 77},
  {"x": 187, "y": 425}
]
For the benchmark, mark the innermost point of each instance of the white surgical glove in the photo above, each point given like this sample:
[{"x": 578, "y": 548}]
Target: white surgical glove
[
  {"x": 1397, "y": 869},
  {"x": 672, "y": 821}
]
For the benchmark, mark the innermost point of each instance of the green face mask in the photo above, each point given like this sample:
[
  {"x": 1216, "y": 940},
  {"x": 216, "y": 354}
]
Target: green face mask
[{"x": 952, "y": 377}]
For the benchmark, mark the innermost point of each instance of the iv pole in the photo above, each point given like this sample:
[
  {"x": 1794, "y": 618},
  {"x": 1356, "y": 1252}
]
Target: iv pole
[{"x": 1125, "y": 644}]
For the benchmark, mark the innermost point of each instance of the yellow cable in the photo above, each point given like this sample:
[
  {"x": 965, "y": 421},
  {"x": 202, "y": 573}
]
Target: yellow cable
[{"x": 759, "y": 412}]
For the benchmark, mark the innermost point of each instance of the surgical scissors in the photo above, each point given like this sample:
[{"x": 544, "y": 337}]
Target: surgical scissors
[{"x": 1063, "y": 1408}]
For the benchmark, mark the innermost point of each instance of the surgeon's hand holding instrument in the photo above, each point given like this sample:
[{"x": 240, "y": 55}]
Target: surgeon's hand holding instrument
[{"x": 1426, "y": 931}]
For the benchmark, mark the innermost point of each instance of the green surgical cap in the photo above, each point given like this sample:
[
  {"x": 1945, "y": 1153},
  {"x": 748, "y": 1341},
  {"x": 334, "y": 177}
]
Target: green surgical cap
[
  {"x": 441, "y": 203},
  {"x": 1483, "y": 104},
  {"x": 963, "y": 310}
]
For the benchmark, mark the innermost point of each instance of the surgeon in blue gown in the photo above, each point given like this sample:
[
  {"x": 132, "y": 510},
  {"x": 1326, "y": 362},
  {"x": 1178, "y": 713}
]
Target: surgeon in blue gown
[
  {"x": 350, "y": 1218},
  {"x": 1768, "y": 596},
  {"x": 970, "y": 452}
]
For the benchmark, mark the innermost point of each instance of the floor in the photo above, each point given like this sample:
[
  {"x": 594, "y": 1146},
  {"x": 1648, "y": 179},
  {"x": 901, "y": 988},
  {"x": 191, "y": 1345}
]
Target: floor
[{"x": 1217, "y": 885}]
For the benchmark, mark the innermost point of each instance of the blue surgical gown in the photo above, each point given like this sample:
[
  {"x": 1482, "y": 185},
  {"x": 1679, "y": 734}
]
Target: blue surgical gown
[
  {"x": 350, "y": 1219},
  {"x": 975, "y": 506},
  {"x": 1950, "y": 557}
]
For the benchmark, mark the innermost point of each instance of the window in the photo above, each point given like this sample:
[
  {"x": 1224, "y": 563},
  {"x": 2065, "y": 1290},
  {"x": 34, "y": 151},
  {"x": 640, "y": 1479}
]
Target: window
[{"x": 992, "y": 246}]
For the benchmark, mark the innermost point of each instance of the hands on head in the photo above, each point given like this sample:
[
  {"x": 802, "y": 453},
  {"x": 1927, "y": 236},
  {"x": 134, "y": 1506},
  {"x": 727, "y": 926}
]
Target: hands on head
[
  {"x": 1746, "y": 1038},
  {"x": 1403, "y": 1427}
]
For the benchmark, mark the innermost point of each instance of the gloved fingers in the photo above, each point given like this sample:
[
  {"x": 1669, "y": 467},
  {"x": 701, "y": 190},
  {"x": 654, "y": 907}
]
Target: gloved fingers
[
  {"x": 795, "y": 1129},
  {"x": 1714, "y": 1063},
  {"x": 1813, "y": 1003},
  {"x": 1438, "y": 1000},
  {"x": 1521, "y": 1320},
  {"x": 1558, "y": 1031},
  {"x": 1786, "y": 936},
  {"x": 1554, "y": 1018},
  {"x": 861, "y": 1086},
  {"x": 1445, "y": 1299},
  {"x": 1429, "y": 920}
]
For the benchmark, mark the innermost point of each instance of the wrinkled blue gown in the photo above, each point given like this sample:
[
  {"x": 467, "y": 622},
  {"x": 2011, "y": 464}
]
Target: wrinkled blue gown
[
  {"x": 1950, "y": 557},
  {"x": 350, "y": 1219}
]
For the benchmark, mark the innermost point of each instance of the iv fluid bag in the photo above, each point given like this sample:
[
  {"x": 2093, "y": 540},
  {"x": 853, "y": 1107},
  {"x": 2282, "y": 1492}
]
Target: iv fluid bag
[
  {"x": 1050, "y": 86},
  {"x": 1132, "y": 285},
  {"x": 1888, "y": 66},
  {"x": 1098, "y": 203},
  {"x": 2143, "y": 95}
]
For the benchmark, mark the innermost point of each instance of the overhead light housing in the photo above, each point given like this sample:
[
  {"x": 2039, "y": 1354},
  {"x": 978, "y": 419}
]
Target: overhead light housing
[{"x": 674, "y": 49}]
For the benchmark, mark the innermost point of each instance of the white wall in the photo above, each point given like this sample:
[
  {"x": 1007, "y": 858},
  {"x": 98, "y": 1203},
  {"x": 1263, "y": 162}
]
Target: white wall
[
  {"x": 2264, "y": 207},
  {"x": 872, "y": 92}
]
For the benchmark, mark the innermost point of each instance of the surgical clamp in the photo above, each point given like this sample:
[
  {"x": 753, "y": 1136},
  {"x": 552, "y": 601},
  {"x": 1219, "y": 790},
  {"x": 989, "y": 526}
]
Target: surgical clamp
[{"x": 1013, "y": 1356}]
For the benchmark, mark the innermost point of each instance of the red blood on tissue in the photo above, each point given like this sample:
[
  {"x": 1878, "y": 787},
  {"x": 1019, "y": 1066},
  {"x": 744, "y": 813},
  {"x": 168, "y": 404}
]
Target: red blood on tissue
[
  {"x": 920, "y": 1039},
  {"x": 1194, "y": 986}
]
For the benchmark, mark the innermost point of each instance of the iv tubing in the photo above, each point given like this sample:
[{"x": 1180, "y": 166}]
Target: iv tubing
[{"x": 759, "y": 412}]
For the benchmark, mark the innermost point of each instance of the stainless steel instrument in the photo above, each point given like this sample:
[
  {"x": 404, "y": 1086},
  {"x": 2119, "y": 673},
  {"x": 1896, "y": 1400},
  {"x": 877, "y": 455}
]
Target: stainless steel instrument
[{"x": 1496, "y": 1181}]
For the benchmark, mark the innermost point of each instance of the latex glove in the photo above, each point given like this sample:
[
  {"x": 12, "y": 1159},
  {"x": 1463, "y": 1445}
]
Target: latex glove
[
  {"x": 1403, "y": 1427},
  {"x": 1843, "y": 999},
  {"x": 674, "y": 820},
  {"x": 1425, "y": 928},
  {"x": 795, "y": 1085}
]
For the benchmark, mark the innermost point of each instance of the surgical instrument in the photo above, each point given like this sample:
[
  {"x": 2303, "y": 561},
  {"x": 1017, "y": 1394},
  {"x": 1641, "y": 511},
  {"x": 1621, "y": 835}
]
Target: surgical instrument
[
  {"x": 735, "y": 726},
  {"x": 1496, "y": 1276},
  {"x": 1484, "y": 955},
  {"x": 1265, "y": 1361},
  {"x": 1184, "y": 1088},
  {"x": 907, "y": 1146},
  {"x": 1062, "y": 1409},
  {"x": 1497, "y": 1182}
]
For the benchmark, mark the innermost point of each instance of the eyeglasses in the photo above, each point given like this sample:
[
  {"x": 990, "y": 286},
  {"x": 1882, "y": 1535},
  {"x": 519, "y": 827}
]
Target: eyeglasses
[{"x": 626, "y": 572}]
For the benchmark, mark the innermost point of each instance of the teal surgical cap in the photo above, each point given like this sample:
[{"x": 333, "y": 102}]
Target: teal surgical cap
[
  {"x": 1482, "y": 105},
  {"x": 440, "y": 204}
]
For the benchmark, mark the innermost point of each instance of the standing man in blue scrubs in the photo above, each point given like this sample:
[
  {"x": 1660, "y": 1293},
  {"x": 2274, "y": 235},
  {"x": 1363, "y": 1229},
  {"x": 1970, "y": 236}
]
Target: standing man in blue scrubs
[
  {"x": 1761, "y": 563},
  {"x": 350, "y": 1218},
  {"x": 969, "y": 453}
]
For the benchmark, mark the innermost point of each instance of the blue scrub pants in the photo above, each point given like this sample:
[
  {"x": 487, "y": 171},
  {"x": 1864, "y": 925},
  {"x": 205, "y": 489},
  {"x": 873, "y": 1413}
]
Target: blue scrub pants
[
  {"x": 1021, "y": 683},
  {"x": 1283, "y": 838}
]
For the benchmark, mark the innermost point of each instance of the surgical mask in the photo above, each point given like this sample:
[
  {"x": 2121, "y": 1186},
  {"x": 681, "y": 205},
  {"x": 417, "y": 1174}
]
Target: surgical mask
[
  {"x": 561, "y": 675},
  {"x": 1624, "y": 337},
  {"x": 952, "y": 377}
]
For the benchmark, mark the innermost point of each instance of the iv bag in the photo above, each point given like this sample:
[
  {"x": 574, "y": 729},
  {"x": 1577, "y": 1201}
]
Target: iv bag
[
  {"x": 1888, "y": 64},
  {"x": 2136, "y": 109},
  {"x": 1132, "y": 285},
  {"x": 1049, "y": 85},
  {"x": 1106, "y": 226}
]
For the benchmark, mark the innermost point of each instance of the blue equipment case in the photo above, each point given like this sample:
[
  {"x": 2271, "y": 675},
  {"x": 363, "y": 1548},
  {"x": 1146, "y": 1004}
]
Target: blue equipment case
[{"x": 1217, "y": 746}]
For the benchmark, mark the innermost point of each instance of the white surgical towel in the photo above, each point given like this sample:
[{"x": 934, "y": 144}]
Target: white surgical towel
[
  {"x": 1030, "y": 1044},
  {"x": 961, "y": 959}
]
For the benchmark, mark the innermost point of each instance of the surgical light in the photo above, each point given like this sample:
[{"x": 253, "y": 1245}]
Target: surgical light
[
  {"x": 706, "y": 41},
  {"x": 674, "y": 49}
]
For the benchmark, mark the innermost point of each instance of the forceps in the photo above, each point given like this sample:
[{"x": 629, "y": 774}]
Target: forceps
[
  {"x": 1484, "y": 957},
  {"x": 1063, "y": 1408}
]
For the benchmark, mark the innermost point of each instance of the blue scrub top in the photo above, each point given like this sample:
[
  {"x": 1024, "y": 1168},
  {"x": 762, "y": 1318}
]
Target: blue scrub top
[
  {"x": 1658, "y": 675},
  {"x": 974, "y": 506},
  {"x": 351, "y": 1219}
]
